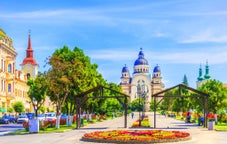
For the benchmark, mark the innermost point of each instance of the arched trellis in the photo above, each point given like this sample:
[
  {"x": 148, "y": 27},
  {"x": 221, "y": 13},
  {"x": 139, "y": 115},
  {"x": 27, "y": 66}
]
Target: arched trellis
[
  {"x": 80, "y": 99},
  {"x": 180, "y": 87}
]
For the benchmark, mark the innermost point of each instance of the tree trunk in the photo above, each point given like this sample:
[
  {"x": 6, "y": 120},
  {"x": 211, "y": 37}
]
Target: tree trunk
[{"x": 58, "y": 122}]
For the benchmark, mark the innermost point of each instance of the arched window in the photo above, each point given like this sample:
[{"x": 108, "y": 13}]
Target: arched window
[
  {"x": 28, "y": 75},
  {"x": 9, "y": 68},
  {"x": 9, "y": 87}
]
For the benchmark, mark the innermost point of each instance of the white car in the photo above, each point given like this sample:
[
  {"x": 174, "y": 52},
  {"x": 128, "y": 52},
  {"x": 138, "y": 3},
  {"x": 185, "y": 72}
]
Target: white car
[
  {"x": 50, "y": 116},
  {"x": 41, "y": 117},
  {"x": 22, "y": 118}
]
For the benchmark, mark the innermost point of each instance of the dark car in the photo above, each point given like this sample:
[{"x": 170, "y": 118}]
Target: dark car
[
  {"x": 11, "y": 118},
  {"x": 4, "y": 120},
  {"x": 7, "y": 119}
]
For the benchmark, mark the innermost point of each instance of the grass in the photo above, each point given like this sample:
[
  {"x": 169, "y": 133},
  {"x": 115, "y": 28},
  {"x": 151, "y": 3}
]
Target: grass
[
  {"x": 221, "y": 127},
  {"x": 218, "y": 127},
  {"x": 62, "y": 128}
]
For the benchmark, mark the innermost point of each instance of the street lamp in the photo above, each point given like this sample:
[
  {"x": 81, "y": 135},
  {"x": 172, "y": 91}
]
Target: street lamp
[
  {"x": 142, "y": 91},
  {"x": 35, "y": 106}
]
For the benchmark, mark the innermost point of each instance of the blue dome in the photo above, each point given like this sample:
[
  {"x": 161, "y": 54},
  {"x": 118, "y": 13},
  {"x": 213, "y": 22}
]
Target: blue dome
[
  {"x": 141, "y": 60},
  {"x": 157, "y": 69},
  {"x": 125, "y": 69}
]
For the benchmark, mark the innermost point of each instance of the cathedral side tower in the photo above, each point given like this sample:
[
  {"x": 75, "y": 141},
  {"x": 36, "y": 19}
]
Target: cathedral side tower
[
  {"x": 125, "y": 79},
  {"x": 29, "y": 64},
  {"x": 157, "y": 84}
]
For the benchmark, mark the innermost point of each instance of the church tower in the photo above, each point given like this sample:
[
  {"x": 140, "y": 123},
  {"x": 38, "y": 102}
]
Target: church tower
[
  {"x": 201, "y": 80},
  {"x": 125, "y": 79},
  {"x": 29, "y": 64}
]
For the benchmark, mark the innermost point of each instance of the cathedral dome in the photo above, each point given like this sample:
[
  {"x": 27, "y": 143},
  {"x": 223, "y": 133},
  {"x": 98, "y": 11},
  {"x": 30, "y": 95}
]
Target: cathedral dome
[
  {"x": 125, "y": 69},
  {"x": 157, "y": 69},
  {"x": 141, "y": 60}
]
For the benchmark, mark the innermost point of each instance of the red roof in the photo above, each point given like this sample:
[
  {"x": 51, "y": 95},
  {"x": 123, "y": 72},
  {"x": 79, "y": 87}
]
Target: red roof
[
  {"x": 29, "y": 61},
  {"x": 29, "y": 54}
]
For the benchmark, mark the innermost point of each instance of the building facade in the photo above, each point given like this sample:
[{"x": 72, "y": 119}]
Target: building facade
[
  {"x": 141, "y": 84},
  {"x": 13, "y": 82},
  {"x": 7, "y": 71}
]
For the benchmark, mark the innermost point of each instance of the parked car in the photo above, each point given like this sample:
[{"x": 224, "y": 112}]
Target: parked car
[
  {"x": 22, "y": 118},
  {"x": 50, "y": 116},
  {"x": 11, "y": 118},
  {"x": 7, "y": 119},
  {"x": 4, "y": 120},
  {"x": 41, "y": 117}
]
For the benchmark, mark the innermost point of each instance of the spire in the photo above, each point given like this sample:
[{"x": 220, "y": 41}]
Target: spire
[
  {"x": 29, "y": 40},
  {"x": 141, "y": 55},
  {"x": 207, "y": 75},
  {"x": 29, "y": 53},
  {"x": 200, "y": 78}
]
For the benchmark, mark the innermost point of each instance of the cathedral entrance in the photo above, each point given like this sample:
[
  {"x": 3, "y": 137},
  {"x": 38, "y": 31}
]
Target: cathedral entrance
[{"x": 99, "y": 91}]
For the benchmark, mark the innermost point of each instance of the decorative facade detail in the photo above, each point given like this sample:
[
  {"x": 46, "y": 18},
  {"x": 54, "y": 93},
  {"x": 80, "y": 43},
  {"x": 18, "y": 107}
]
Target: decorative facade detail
[{"x": 141, "y": 84}]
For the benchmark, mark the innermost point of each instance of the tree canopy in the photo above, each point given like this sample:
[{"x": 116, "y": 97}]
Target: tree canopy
[{"x": 217, "y": 94}]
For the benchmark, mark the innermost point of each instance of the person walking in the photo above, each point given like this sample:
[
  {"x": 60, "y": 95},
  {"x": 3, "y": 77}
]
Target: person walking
[{"x": 132, "y": 115}]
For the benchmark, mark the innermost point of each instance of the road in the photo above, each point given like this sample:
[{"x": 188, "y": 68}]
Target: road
[
  {"x": 199, "y": 135},
  {"x": 5, "y": 128}
]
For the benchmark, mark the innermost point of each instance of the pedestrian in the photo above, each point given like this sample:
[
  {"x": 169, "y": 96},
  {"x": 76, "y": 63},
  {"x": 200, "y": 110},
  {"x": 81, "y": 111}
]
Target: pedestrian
[{"x": 132, "y": 115}]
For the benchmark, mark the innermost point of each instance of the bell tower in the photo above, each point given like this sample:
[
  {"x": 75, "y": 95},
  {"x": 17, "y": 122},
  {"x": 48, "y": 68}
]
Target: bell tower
[{"x": 29, "y": 64}]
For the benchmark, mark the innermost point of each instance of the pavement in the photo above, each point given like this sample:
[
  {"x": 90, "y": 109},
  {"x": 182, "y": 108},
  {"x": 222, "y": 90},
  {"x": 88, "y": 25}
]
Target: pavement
[{"x": 199, "y": 135}]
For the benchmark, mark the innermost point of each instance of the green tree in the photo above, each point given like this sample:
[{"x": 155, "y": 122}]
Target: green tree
[
  {"x": 37, "y": 91},
  {"x": 18, "y": 107},
  {"x": 10, "y": 109},
  {"x": 185, "y": 80},
  {"x": 137, "y": 104},
  {"x": 64, "y": 75},
  {"x": 88, "y": 79},
  {"x": 217, "y": 95}
]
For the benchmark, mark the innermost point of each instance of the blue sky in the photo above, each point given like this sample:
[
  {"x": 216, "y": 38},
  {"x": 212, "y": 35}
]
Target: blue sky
[{"x": 178, "y": 35}]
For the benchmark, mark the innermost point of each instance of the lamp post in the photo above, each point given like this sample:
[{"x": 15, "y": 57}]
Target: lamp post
[
  {"x": 142, "y": 91},
  {"x": 35, "y": 106}
]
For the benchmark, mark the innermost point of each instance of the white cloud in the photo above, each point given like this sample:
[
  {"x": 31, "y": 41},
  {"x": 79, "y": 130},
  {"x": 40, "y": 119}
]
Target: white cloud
[
  {"x": 205, "y": 36},
  {"x": 214, "y": 56}
]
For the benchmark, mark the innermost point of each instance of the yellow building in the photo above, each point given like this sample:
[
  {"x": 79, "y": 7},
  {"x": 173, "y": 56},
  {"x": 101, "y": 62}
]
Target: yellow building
[
  {"x": 7, "y": 72},
  {"x": 13, "y": 82}
]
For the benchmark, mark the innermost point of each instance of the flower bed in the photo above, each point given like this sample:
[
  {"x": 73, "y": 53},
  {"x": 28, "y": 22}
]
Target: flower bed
[
  {"x": 144, "y": 123},
  {"x": 136, "y": 136}
]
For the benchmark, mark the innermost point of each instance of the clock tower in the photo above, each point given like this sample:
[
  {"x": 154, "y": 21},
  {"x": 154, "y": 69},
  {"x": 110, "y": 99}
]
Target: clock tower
[{"x": 29, "y": 64}]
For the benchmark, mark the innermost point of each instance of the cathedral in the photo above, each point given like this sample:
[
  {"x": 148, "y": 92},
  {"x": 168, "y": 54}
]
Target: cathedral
[{"x": 141, "y": 84}]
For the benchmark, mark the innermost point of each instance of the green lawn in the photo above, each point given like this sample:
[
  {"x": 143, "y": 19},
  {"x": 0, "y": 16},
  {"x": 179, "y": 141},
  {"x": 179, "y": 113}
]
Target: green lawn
[
  {"x": 221, "y": 127},
  {"x": 62, "y": 128}
]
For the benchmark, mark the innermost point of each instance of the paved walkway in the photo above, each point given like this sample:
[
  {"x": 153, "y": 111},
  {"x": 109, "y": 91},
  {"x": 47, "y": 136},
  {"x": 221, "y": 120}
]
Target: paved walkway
[{"x": 199, "y": 135}]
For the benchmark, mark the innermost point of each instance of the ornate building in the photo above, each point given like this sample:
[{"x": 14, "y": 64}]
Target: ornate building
[
  {"x": 7, "y": 71},
  {"x": 13, "y": 82},
  {"x": 202, "y": 79},
  {"x": 141, "y": 84}
]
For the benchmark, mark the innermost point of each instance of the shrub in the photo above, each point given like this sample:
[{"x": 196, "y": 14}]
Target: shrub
[{"x": 26, "y": 125}]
